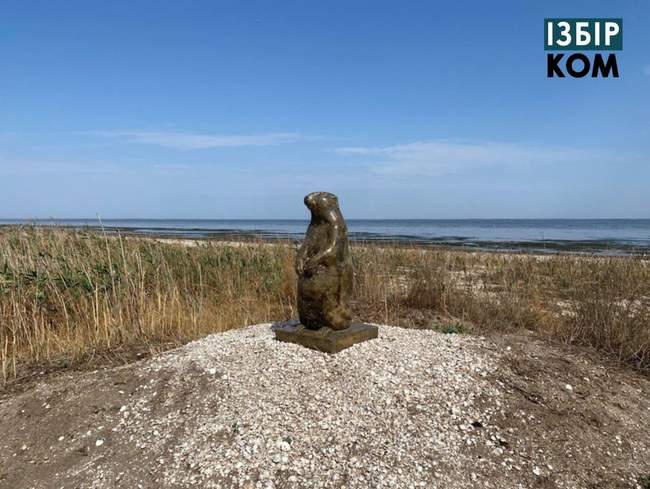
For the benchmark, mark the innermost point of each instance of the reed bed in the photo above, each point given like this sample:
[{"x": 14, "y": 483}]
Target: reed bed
[{"x": 76, "y": 298}]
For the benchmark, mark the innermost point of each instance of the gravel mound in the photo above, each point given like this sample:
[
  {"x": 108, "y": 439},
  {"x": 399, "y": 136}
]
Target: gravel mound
[
  {"x": 241, "y": 410},
  {"x": 395, "y": 412}
]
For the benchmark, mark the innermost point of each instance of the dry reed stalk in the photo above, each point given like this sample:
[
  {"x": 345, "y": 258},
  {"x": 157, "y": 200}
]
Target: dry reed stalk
[{"x": 68, "y": 296}]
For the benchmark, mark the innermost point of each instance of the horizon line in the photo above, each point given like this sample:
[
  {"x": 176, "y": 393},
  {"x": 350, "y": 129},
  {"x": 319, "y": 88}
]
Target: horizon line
[{"x": 104, "y": 219}]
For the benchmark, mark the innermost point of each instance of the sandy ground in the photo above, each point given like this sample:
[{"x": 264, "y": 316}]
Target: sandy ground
[{"x": 410, "y": 409}]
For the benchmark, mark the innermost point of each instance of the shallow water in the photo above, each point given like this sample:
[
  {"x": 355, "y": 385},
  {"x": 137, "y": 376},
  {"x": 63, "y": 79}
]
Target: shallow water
[{"x": 606, "y": 236}]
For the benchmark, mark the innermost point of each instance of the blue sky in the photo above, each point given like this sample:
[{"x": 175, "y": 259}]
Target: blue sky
[{"x": 207, "y": 109}]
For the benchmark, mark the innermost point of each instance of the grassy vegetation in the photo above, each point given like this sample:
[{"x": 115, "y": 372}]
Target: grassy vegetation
[
  {"x": 72, "y": 298},
  {"x": 68, "y": 297}
]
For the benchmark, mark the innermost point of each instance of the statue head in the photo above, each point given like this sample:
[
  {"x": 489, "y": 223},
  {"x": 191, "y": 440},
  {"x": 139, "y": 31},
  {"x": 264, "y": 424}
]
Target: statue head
[{"x": 322, "y": 204}]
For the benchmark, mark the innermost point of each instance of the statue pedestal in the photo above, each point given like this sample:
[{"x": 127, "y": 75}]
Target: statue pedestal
[{"x": 324, "y": 339}]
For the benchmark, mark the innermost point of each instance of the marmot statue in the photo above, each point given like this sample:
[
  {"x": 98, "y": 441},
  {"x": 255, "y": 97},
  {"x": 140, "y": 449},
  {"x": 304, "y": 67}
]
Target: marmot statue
[{"x": 324, "y": 267}]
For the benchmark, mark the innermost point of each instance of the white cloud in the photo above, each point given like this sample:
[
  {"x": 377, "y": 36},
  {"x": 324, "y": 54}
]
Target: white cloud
[
  {"x": 57, "y": 168},
  {"x": 435, "y": 158},
  {"x": 171, "y": 166},
  {"x": 183, "y": 140}
]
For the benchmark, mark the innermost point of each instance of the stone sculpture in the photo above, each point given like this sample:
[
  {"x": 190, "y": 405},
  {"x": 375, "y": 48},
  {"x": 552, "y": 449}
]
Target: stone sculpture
[
  {"x": 325, "y": 276},
  {"x": 324, "y": 267}
]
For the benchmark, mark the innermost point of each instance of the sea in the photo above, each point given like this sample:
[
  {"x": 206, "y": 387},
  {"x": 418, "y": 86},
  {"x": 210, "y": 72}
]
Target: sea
[{"x": 592, "y": 236}]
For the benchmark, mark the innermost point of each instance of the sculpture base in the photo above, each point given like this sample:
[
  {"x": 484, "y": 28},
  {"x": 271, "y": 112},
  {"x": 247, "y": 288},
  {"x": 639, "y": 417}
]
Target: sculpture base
[{"x": 324, "y": 339}]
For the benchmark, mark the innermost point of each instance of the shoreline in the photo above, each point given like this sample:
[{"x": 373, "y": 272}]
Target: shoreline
[{"x": 602, "y": 248}]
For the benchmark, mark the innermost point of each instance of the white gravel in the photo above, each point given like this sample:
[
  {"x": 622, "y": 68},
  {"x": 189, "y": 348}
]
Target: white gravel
[{"x": 240, "y": 409}]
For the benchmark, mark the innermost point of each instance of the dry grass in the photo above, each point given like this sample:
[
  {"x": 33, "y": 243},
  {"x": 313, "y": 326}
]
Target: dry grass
[
  {"x": 69, "y": 298},
  {"x": 66, "y": 297}
]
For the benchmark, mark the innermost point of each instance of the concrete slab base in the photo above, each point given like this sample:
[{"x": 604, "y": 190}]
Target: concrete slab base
[{"x": 324, "y": 339}]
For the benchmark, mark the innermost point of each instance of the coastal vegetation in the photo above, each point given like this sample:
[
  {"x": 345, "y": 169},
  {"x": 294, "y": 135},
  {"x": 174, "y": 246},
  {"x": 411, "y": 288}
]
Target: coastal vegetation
[{"x": 79, "y": 299}]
